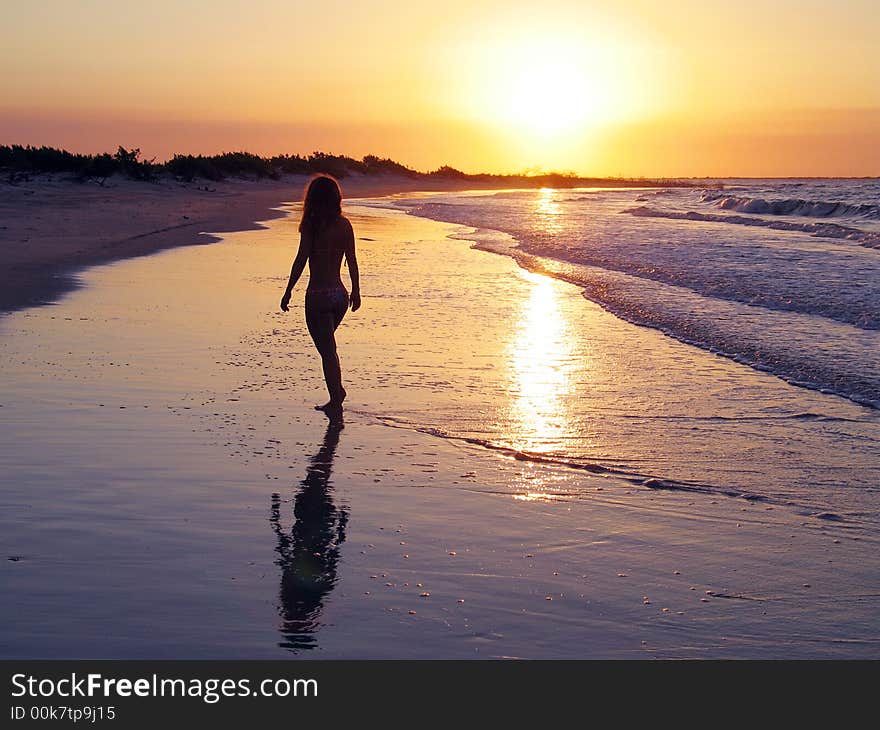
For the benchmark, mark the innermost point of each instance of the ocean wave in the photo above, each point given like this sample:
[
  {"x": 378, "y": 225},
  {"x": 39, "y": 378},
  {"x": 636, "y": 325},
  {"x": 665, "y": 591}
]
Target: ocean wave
[
  {"x": 792, "y": 206},
  {"x": 657, "y": 194},
  {"x": 624, "y": 474},
  {"x": 868, "y": 239},
  {"x": 621, "y": 472},
  {"x": 624, "y": 295}
]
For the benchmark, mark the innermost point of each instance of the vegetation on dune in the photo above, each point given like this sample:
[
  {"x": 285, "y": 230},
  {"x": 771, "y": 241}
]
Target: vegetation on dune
[
  {"x": 219, "y": 167},
  {"x": 18, "y": 163}
]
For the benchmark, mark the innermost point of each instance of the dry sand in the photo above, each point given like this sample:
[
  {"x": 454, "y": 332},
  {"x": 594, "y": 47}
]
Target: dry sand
[{"x": 169, "y": 492}]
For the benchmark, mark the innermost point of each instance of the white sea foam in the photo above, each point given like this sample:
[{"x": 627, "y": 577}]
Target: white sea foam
[
  {"x": 825, "y": 230},
  {"x": 792, "y": 206}
]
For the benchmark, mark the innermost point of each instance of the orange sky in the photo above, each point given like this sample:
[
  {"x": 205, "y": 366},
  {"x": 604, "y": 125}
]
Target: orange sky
[{"x": 630, "y": 88}]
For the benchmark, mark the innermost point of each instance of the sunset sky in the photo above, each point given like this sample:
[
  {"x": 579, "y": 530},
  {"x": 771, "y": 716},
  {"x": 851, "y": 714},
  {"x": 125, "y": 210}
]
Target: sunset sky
[{"x": 635, "y": 87}]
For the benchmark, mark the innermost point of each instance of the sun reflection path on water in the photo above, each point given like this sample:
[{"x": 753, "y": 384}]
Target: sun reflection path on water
[
  {"x": 542, "y": 367},
  {"x": 548, "y": 210}
]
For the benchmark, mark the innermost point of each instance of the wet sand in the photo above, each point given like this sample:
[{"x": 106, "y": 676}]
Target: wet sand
[{"x": 169, "y": 492}]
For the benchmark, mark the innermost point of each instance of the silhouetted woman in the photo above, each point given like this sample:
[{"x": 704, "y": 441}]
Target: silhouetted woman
[{"x": 325, "y": 237}]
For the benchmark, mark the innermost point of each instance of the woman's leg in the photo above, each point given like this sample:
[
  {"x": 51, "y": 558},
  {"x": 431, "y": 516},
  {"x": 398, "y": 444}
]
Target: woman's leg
[
  {"x": 322, "y": 324},
  {"x": 340, "y": 307}
]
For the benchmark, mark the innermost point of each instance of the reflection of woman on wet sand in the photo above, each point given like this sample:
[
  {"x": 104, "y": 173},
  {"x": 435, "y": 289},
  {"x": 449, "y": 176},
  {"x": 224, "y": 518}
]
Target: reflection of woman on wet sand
[
  {"x": 309, "y": 554},
  {"x": 325, "y": 237}
]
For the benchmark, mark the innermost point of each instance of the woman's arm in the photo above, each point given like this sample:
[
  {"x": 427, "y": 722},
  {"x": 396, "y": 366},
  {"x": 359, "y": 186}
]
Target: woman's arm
[
  {"x": 299, "y": 264},
  {"x": 353, "y": 271}
]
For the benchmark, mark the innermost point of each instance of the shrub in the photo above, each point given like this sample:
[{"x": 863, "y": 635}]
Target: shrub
[
  {"x": 189, "y": 167},
  {"x": 99, "y": 167}
]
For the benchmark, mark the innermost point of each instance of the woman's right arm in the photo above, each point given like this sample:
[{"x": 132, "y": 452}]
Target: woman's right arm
[
  {"x": 299, "y": 264},
  {"x": 353, "y": 271}
]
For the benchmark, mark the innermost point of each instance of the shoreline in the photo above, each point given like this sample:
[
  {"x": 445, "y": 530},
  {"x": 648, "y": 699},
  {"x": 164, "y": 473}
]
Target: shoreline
[
  {"x": 53, "y": 228},
  {"x": 549, "y": 267}
]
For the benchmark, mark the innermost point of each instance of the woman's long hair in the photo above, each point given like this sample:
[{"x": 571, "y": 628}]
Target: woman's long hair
[{"x": 322, "y": 204}]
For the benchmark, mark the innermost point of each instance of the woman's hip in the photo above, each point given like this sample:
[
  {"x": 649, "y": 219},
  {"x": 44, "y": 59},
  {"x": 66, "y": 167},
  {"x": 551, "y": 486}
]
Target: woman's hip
[{"x": 332, "y": 299}]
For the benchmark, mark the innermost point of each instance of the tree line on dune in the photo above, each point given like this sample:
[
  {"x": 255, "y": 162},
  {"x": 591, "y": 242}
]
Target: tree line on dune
[{"x": 18, "y": 163}]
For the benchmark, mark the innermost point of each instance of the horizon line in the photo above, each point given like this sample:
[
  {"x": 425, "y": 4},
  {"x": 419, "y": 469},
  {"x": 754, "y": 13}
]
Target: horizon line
[{"x": 405, "y": 169}]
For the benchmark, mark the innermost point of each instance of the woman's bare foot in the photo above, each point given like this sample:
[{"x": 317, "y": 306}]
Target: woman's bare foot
[
  {"x": 334, "y": 414},
  {"x": 332, "y": 405}
]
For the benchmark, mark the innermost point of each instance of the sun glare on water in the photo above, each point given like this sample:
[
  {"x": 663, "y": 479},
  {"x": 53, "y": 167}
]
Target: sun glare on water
[{"x": 541, "y": 367}]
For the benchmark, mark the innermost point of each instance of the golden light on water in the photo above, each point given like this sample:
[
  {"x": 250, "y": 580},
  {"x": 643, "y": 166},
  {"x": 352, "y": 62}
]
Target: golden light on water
[
  {"x": 548, "y": 210},
  {"x": 541, "y": 365},
  {"x": 536, "y": 497}
]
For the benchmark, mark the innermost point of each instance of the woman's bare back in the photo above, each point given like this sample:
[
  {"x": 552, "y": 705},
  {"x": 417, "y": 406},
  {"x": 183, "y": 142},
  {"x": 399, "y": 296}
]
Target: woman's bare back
[{"x": 326, "y": 251}]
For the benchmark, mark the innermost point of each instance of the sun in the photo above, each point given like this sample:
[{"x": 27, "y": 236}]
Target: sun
[
  {"x": 543, "y": 88},
  {"x": 547, "y": 95}
]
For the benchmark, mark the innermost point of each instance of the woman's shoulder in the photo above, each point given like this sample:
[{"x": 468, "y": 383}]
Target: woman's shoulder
[{"x": 342, "y": 227}]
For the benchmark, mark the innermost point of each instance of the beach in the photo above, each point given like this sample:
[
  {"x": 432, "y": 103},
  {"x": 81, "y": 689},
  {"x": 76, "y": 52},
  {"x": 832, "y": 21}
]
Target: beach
[
  {"x": 52, "y": 226},
  {"x": 169, "y": 492}
]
